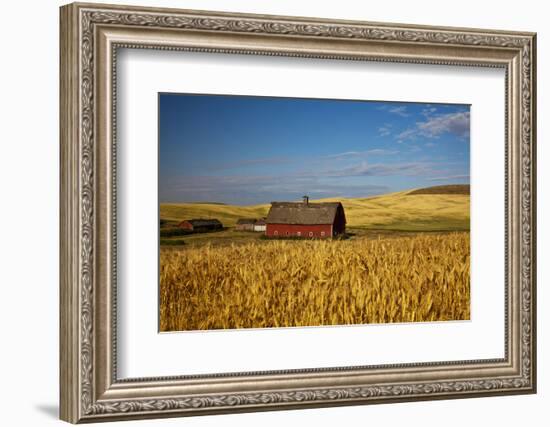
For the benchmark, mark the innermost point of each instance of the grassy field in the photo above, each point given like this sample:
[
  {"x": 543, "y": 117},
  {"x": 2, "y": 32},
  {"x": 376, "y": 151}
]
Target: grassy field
[{"x": 310, "y": 283}]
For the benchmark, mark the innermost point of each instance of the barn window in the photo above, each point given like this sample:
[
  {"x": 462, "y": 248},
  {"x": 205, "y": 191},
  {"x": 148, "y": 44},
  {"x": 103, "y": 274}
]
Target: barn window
[
  {"x": 299, "y": 233},
  {"x": 311, "y": 234},
  {"x": 322, "y": 234},
  {"x": 287, "y": 233},
  {"x": 276, "y": 233}
]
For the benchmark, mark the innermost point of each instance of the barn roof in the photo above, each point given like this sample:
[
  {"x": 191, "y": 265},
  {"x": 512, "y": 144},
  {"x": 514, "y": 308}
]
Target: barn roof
[
  {"x": 246, "y": 221},
  {"x": 302, "y": 213}
]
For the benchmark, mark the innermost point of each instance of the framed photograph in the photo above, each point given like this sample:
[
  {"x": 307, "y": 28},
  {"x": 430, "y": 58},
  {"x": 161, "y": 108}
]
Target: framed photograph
[{"x": 265, "y": 212}]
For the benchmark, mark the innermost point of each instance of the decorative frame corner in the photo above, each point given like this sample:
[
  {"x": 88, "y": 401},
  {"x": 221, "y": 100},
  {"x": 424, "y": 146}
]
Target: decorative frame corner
[{"x": 90, "y": 36}]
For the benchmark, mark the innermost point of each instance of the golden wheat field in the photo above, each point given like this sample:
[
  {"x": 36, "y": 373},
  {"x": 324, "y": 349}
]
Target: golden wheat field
[{"x": 315, "y": 282}]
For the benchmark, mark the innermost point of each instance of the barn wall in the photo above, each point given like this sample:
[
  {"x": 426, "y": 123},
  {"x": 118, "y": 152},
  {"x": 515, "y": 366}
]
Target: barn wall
[{"x": 281, "y": 230}]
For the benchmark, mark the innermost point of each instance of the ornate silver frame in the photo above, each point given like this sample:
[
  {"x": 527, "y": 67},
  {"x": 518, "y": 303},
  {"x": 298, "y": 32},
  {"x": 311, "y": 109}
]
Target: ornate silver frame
[{"x": 90, "y": 36}]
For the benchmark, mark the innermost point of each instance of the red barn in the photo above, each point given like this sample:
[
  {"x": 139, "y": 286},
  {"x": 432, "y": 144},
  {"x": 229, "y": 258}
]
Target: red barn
[{"x": 306, "y": 220}]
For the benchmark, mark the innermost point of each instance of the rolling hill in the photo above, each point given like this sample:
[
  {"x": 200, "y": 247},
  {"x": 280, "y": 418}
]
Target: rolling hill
[
  {"x": 443, "y": 189},
  {"x": 429, "y": 209}
]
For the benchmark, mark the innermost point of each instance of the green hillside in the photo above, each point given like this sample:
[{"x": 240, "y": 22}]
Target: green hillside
[{"x": 402, "y": 211}]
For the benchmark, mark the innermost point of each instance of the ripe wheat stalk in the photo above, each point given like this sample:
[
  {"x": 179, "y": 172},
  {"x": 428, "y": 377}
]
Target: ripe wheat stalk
[{"x": 314, "y": 282}]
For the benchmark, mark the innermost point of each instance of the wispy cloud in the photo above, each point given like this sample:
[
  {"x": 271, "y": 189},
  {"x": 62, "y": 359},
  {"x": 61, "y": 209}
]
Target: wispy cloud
[
  {"x": 381, "y": 152},
  {"x": 385, "y": 130},
  {"x": 457, "y": 124},
  {"x": 406, "y": 134},
  {"x": 260, "y": 189},
  {"x": 329, "y": 181},
  {"x": 428, "y": 111},
  {"x": 400, "y": 111},
  {"x": 345, "y": 154},
  {"x": 250, "y": 162},
  {"x": 385, "y": 169}
]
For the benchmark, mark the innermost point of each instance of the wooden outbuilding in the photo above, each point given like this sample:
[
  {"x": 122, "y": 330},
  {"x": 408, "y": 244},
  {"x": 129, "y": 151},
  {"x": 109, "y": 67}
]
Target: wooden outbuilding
[
  {"x": 259, "y": 225},
  {"x": 245, "y": 224},
  {"x": 201, "y": 225}
]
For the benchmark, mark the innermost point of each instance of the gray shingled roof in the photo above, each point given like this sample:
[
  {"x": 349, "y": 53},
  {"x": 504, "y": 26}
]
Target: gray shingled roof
[
  {"x": 246, "y": 221},
  {"x": 302, "y": 213}
]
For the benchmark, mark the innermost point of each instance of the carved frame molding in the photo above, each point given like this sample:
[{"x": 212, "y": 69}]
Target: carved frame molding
[{"x": 90, "y": 36}]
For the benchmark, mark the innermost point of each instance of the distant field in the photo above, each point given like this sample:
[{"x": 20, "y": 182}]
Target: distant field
[
  {"x": 443, "y": 189},
  {"x": 402, "y": 211},
  {"x": 227, "y": 214},
  {"x": 407, "y": 212}
]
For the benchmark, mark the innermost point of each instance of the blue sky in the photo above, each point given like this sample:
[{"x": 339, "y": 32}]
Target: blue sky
[{"x": 251, "y": 150}]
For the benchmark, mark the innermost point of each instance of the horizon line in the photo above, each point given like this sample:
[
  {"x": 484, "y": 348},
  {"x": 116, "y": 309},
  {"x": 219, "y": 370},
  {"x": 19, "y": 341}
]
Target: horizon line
[{"x": 197, "y": 202}]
